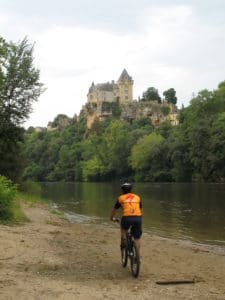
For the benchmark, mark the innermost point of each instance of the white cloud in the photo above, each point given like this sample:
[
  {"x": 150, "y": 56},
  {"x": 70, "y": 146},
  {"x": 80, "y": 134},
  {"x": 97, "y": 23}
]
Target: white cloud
[
  {"x": 71, "y": 49},
  {"x": 4, "y": 19},
  {"x": 70, "y": 59}
]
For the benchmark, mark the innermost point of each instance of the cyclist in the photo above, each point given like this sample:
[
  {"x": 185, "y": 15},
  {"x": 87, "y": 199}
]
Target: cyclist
[{"x": 132, "y": 214}]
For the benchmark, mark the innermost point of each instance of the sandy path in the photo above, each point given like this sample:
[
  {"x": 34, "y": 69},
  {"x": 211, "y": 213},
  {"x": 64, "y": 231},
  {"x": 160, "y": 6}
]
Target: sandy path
[{"x": 49, "y": 258}]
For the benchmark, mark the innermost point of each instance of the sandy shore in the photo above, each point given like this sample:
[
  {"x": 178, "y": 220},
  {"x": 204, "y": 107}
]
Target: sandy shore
[{"x": 50, "y": 258}]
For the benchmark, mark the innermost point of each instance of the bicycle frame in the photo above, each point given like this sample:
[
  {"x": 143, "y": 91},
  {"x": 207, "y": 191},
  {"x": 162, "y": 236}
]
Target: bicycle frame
[{"x": 130, "y": 251}]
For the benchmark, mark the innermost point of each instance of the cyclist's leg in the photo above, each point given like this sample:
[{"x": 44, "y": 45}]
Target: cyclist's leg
[
  {"x": 138, "y": 245},
  {"x": 124, "y": 227},
  {"x": 123, "y": 234},
  {"x": 123, "y": 238},
  {"x": 137, "y": 233}
]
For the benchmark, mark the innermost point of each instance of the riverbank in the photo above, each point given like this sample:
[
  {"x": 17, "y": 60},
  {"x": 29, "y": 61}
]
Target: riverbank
[{"x": 50, "y": 258}]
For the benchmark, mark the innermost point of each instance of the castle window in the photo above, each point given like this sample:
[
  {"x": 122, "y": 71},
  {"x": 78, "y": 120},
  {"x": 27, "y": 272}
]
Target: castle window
[{"x": 126, "y": 97}]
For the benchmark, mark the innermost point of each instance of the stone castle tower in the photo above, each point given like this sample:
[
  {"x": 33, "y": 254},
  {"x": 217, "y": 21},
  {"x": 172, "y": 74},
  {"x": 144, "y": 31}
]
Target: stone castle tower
[
  {"x": 125, "y": 88},
  {"x": 121, "y": 91}
]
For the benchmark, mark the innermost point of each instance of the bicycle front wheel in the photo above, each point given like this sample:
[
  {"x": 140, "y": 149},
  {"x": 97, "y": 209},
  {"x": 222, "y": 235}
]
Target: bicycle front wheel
[{"x": 134, "y": 261}]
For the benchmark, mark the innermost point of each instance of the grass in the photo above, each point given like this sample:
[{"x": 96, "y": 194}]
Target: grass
[
  {"x": 31, "y": 199},
  {"x": 28, "y": 194},
  {"x": 57, "y": 212},
  {"x": 17, "y": 214}
]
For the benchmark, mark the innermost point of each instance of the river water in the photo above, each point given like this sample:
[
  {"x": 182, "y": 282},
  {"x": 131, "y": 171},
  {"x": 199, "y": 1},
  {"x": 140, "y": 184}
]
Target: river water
[{"x": 193, "y": 212}]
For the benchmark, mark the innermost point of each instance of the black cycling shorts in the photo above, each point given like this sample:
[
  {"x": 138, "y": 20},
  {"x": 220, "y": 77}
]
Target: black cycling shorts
[{"x": 136, "y": 223}]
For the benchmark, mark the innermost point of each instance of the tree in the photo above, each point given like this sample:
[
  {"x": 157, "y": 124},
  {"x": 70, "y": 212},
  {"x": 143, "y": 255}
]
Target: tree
[
  {"x": 217, "y": 149},
  {"x": 151, "y": 94},
  {"x": 165, "y": 110},
  {"x": 92, "y": 169},
  {"x": 165, "y": 129},
  {"x": 179, "y": 156},
  {"x": 105, "y": 157},
  {"x": 19, "y": 88},
  {"x": 61, "y": 121},
  {"x": 148, "y": 159},
  {"x": 116, "y": 149},
  {"x": 170, "y": 96},
  {"x": 199, "y": 136},
  {"x": 11, "y": 156},
  {"x": 19, "y": 81}
]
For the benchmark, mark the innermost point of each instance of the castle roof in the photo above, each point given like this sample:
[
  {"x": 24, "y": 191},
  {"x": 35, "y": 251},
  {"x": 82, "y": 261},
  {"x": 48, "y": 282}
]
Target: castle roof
[
  {"x": 124, "y": 76},
  {"x": 102, "y": 87},
  {"x": 105, "y": 86}
]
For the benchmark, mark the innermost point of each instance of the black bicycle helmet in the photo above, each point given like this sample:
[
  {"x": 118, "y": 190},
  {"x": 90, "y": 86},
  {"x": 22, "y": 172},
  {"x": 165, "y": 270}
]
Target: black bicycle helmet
[{"x": 126, "y": 187}]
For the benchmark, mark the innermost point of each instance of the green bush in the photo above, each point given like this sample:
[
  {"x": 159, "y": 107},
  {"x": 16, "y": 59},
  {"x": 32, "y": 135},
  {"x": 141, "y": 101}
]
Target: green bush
[{"x": 8, "y": 192}]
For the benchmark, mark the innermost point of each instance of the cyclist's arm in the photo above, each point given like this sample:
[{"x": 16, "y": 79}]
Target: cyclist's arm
[
  {"x": 141, "y": 207},
  {"x": 113, "y": 212}
]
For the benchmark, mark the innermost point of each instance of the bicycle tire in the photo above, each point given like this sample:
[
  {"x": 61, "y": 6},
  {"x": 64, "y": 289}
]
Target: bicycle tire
[
  {"x": 124, "y": 256},
  {"x": 134, "y": 261}
]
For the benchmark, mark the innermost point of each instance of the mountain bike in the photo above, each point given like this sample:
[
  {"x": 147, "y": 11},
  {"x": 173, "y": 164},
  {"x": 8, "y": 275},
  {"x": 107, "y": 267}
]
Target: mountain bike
[{"x": 129, "y": 251}]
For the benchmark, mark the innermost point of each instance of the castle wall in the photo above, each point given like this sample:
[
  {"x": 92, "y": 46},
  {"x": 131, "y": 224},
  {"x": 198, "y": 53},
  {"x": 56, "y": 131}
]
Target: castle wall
[{"x": 133, "y": 111}]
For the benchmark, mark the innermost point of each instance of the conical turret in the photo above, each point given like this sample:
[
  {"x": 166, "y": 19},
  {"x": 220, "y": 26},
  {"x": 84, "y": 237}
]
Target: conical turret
[{"x": 125, "y": 76}]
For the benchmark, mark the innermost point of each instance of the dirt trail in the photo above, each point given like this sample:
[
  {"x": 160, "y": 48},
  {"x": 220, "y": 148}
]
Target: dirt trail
[{"x": 50, "y": 258}]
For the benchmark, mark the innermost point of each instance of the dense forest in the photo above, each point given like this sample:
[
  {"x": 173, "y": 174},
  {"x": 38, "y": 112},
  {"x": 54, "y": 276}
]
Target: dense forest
[{"x": 114, "y": 150}]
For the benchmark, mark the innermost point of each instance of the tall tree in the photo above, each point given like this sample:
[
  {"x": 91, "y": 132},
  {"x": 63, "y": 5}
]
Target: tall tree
[
  {"x": 19, "y": 88},
  {"x": 170, "y": 96},
  {"x": 148, "y": 158},
  {"x": 217, "y": 148},
  {"x": 151, "y": 94}
]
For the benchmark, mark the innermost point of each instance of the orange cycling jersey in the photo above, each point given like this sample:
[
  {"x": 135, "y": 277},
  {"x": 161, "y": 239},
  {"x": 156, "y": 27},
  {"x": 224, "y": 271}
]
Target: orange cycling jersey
[{"x": 131, "y": 204}]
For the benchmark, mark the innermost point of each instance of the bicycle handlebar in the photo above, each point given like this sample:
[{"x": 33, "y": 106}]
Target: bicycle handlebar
[{"x": 116, "y": 220}]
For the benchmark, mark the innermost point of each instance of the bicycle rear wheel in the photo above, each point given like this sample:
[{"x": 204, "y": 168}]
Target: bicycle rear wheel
[
  {"x": 134, "y": 261},
  {"x": 124, "y": 256}
]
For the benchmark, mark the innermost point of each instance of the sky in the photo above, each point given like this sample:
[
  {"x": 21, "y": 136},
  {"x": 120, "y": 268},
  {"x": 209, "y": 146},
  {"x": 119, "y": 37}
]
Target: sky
[{"x": 163, "y": 44}]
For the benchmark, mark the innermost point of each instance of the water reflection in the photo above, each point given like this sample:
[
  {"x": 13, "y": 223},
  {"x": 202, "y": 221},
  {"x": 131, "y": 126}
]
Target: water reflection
[{"x": 190, "y": 211}]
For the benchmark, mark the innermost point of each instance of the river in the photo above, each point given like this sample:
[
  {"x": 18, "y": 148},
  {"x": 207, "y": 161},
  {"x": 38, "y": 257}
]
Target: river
[{"x": 193, "y": 212}]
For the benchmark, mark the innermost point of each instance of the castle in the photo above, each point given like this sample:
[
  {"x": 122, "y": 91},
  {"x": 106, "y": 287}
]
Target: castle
[
  {"x": 103, "y": 98},
  {"x": 121, "y": 91},
  {"x": 115, "y": 99}
]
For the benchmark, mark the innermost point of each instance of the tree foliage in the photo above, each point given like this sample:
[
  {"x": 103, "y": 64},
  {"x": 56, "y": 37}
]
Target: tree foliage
[
  {"x": 8, "y": 192},
  {"x": 170, "y": 96},
  {"x": 142, "y": 152},
  {"x": 19, "y": 88},
  {"x": 19, "y": 81},
  {"x": 151, "y": 94}
]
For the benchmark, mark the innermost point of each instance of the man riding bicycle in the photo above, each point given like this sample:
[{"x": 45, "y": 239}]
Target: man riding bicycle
[{"x": 132, "y": 214}]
